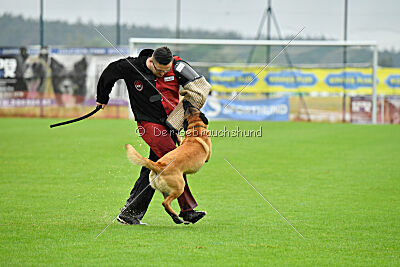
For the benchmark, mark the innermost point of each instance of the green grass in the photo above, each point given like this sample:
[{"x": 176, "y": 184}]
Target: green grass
[{"x": 339, "y": 185}]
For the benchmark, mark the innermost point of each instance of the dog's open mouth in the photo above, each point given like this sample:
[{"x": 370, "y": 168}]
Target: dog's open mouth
[{"x": 32, "y": 84}]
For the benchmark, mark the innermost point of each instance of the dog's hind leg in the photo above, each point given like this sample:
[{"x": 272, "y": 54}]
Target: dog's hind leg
[{"x": 167, "y": 205}]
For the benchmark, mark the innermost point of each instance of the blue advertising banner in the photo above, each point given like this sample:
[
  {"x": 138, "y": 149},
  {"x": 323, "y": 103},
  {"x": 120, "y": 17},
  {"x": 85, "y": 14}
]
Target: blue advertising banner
[{"x": 273, "y": 109}]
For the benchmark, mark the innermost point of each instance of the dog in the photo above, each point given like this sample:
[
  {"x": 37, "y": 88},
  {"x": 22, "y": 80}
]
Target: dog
[
  {"x": 35, "y": 72},
  {"x": 167, "y": 173},
  {"x": 69, "y": 79}
]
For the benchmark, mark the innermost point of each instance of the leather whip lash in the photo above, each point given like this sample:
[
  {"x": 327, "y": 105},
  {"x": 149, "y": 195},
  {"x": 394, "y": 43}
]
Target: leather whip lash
[{"x": 77, "y": 119}]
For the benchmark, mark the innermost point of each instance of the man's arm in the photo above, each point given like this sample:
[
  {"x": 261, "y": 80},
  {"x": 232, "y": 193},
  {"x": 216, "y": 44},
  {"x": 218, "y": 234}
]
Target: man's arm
[
  {"x": 185, "y": 73},
  {"x": 110, "y": 75},
  {"x": 195, "y": 90},
  {"x": 195, "y": 86}
]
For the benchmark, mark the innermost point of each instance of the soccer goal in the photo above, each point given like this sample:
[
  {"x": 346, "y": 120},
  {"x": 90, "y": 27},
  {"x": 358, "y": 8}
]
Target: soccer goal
[{"x": 319, "y": 76}]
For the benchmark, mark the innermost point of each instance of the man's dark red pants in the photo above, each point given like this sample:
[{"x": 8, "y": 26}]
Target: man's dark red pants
[{"x": 159, "y": 139}]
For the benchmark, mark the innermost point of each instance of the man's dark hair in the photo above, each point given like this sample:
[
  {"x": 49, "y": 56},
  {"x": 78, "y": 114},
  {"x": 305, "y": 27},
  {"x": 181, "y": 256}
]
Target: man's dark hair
[{"x": 163, "y": 55}]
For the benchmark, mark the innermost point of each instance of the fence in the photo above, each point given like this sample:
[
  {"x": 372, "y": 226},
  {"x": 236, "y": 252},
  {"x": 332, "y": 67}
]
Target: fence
[
  {"x": 61, "y": 82},
  {"x": 56, "y": 81}
]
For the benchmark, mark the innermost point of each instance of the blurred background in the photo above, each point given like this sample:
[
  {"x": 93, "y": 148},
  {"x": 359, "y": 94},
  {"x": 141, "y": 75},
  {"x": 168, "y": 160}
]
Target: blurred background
[{"x": 51, "y": 55}]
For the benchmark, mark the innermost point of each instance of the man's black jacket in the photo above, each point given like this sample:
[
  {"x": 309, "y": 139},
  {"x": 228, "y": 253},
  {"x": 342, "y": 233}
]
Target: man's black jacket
[{"x": 144, "y": 98}]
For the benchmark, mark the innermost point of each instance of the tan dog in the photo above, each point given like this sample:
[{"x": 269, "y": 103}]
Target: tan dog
[{"x": 189, "y": 157}]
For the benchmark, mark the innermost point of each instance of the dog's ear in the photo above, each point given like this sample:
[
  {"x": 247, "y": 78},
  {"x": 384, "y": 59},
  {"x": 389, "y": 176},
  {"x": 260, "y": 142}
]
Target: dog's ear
[
  {"x": 55, "y": 66},
  {"x": 203, "y": 118},
  {"x": 81, "y": 65},
  {"x": 185, "y": 125}
]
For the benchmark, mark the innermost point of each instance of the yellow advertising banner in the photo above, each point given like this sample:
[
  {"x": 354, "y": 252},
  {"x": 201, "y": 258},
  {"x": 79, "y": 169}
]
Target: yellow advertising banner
[{"x": 350, "y": 80}]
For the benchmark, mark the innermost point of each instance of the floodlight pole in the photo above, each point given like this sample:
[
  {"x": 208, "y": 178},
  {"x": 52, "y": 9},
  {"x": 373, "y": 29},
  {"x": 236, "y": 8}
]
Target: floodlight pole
[
  {"x": 374, "y": 83},
  {"x": 41, "y": 24},
  {"x": 118, "y": 37},
  {"x": 269, "y": 11},
  {"x": 178, "y": 19},
  {"x": 344, "y": 62}
]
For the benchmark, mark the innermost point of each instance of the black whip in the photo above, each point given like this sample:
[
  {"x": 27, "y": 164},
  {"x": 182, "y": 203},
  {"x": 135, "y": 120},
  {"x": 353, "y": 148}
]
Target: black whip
[{"x": 77, "y": 119}]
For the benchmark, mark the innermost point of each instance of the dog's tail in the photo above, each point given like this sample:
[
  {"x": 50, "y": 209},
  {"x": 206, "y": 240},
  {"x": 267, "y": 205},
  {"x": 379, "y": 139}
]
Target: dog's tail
[{"x": 138, "y": 159}]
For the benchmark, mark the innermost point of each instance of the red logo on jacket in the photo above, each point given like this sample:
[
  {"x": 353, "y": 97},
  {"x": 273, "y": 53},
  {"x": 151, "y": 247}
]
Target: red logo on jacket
[{"x": 138, "y": 85}]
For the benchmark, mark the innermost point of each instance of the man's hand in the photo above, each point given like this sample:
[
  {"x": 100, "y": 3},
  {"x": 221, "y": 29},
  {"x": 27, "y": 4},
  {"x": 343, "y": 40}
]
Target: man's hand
[{"x": 102, "y": 105}]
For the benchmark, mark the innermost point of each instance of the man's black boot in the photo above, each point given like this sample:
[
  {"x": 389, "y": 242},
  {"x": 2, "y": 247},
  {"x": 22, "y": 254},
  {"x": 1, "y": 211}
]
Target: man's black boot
[
  {"x": 127, "y": 216},
  {"x": 191, "y": 216}
]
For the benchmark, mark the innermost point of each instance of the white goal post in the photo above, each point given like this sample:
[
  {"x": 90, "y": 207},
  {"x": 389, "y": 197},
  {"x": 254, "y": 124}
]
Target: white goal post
[{"x": 133, "y": 42}]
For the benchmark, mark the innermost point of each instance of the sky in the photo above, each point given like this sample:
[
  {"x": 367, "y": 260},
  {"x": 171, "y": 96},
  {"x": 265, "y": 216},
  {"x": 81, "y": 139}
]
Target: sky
[{"x": 376, "y": 20}]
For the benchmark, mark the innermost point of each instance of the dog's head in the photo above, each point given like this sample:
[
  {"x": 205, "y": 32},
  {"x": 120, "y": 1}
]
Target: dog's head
[
  {"x": 34, "y": 73},
  {"x": 193, "y": 116},
  {"x": 67, "y": 79}
]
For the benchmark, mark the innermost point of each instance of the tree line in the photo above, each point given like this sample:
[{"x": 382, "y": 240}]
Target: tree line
[{"x": 15, "y": 30}]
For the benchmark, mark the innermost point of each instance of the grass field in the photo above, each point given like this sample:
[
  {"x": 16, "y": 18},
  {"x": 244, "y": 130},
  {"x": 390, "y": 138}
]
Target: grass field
[{"x": 339, "y": 185}]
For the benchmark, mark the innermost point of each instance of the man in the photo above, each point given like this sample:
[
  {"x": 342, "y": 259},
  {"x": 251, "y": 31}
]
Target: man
[{"x": 153, "y": 79}]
